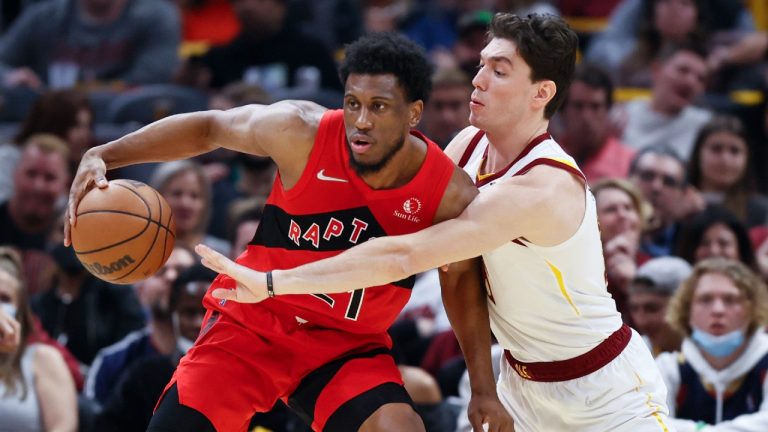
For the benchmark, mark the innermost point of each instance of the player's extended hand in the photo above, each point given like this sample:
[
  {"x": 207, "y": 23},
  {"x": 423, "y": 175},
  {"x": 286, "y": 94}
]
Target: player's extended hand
[
  {"x": 251, "y": 285},
  {"x": 10, "y": 333},
  {"x": 489, "y": 410},
  {"x": 92, "y": 171}
]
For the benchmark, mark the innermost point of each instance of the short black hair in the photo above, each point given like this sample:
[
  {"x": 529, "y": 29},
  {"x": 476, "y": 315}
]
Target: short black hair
[
  {"x": 661, "y": 150},
  {"x": 390, "y": 53}
]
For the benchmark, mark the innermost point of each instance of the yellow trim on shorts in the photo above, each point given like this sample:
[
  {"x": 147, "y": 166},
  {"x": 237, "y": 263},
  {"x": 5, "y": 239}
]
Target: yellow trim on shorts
[
  {"x": 655, "y": 408},
  {"x": 561, "y": 284}
]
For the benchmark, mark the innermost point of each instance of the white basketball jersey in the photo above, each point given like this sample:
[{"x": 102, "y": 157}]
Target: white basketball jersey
[{"x": 546, "y": 303}]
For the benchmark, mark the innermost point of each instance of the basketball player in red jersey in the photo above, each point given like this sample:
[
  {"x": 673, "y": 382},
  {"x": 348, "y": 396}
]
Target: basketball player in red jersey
[{"x": 344, "y": 177}]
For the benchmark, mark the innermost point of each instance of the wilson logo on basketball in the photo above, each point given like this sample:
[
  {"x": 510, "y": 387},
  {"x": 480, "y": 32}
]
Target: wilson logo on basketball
[
  {"x": 101, "y": 270},
  {"x": 411, "y": 207}
]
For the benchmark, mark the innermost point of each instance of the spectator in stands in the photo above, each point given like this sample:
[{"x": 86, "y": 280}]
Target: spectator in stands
[
  {"x": 60, "y": 43},
  {"x": 129, "y": 407},
  {"x": 654, "y": 284},
  {"x": 82, "y": 312},
  {"x": 269, "y": 51},
  {"x": 716, "y": 232},
  {"x": 660, "y": 175},
  {"x": 718, "y": 380},
  {"x": 160, "y": 336},
  {"x": 588, "y": 135},
  {"x": 447, "y": 110},
  {"x": 188, "y": 191},
  {"x": 41, "y": 179},
  {"x": 36, "y": 389},
  {"x": 621, "y": 38},
  {"x": 66, "y": 114},
  {"x": 720, "y": 168},
  {"x": 246, "y": 221},
  {"x": 623, "y": 214},
  {"x": 670, "y": 117}
]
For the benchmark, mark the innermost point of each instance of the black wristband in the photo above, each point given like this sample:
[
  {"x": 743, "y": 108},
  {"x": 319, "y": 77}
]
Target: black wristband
[{"x": 270, "y": 288}]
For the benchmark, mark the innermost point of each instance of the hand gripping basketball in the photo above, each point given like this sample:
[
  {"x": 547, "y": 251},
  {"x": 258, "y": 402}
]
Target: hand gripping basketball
[{"x": 124, "y": 233}]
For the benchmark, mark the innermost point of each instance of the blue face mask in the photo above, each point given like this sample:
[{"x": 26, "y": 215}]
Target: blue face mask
[
  {"x": 718, "y": 346},
  {"x": 9, "y": 309}
]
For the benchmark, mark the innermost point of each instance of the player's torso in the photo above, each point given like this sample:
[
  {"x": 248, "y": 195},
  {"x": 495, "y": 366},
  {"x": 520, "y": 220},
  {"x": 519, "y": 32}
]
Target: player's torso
[
  {"x": 546, "y": 303},
  {"x": 329, "y": 210}
]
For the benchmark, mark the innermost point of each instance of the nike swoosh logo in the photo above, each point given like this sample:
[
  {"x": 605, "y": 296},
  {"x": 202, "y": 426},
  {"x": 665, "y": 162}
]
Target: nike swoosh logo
[
  {"x": 321, "y": 176},
  {"x": 591, "y": 401}
]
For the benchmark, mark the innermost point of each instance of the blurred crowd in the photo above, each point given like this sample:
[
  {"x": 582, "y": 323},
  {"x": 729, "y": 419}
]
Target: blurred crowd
[{"x": 666, "y": 116}]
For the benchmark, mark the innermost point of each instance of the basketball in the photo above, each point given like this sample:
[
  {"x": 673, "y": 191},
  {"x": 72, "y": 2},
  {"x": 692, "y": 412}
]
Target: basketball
[{"x": 123, "y": 233}]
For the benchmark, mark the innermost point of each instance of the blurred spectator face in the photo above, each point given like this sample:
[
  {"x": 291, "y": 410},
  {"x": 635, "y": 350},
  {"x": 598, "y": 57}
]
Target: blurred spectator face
[
  {"x": 185, "y": 196},
  {"x": 661, "y": 180},
  {"x": 260, "y": 17},
  {"x": 586, "y": 116},
  {"x": 616, "y": 214},
  {"x": 678, "y": 81},
  {"x": 718, "y": 306},
  {"x": 718, "y": 241},
  {"x": 9, "y": 289},
  {"x": 40, "y": 180},
  {"x": 244, "y": 235},
  {"x": 723, "y": 161},
  {"x": 446, "y": 113},
  {"x": 106, "y": 10},
  {"x": 79, "y": 136},
  {"x": 675, "y": 19},
  {"x": 190, "y": 310},
  {"x": 648, "y": 311},
  {"x": 154, "y": 291}
]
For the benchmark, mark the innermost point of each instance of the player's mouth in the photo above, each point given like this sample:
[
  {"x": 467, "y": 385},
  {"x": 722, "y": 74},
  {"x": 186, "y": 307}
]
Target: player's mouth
[
  {"x": 474, "y": 103},
  {"x": 360, "y": 143}
]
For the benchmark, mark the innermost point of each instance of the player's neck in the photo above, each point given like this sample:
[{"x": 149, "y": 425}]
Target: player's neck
[
  {"x": 507, "y": 143},
  {"x": 401, "y": 168}
]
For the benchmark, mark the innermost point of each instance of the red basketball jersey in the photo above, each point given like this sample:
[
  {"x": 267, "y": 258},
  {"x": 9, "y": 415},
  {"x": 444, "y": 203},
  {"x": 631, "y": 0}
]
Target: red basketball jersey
[{"x": 331, "y": 209}]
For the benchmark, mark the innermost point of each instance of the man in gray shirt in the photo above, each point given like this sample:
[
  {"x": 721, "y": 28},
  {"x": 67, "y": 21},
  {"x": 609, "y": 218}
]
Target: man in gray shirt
[{"x": 60, "y": 43}]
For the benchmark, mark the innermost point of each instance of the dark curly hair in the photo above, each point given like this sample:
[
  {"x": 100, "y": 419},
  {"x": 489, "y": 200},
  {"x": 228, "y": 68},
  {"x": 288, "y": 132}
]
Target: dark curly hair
[
  {"x": 390, "y": 53},
  {"x": 547, "y": 44}
]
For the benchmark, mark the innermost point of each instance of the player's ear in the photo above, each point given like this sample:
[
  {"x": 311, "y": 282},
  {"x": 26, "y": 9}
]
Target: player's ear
[
  {"x": 415, "y": 109},
  {"x": 545, "y": 91}
]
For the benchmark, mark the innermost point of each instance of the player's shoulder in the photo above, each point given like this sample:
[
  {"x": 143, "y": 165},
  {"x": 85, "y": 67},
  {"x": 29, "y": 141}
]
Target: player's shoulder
[
  {"x": 458, "y": 145},
  {"x": 461, "y": 190}
]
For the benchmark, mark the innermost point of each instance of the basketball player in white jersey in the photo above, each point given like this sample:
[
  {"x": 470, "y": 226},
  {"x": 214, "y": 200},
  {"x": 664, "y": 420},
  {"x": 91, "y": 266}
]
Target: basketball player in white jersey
[{"x": 569, "y": 364}]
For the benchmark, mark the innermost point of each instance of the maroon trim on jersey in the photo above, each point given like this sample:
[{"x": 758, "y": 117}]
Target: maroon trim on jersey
[
  {"x": 553, "y": 163},
  {"x": 471, "y": 148},
  {"x": 576, "y": 367},
  {"x": 519, "y": 242},
  {"x": 531, "y": 145}
]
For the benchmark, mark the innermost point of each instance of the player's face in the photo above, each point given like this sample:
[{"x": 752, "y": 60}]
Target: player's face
[
  {"x": 41, "y": 179},
  {"x": 503, "y": 87},
  {"x": 377, "y": 119},
  {"x": 184, "y": 194},
  {"x": 718, "y": 306}
]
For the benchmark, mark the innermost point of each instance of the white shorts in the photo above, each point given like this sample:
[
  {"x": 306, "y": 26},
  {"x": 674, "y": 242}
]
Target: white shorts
[{"x": 627, "y": 394}]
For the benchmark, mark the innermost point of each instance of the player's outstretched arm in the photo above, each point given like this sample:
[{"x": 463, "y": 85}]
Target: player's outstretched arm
[
  {"x": 465, "y": 301},
  {"x": 505, "y": 212},
  {"x": 254, "y": 129}
]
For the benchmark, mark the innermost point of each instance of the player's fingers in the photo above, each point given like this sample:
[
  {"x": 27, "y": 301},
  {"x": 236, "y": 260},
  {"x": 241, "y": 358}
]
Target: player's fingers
[
  {"x": 224, "y": 294},
  {"x": 213, "y": 260},
  {"x": 477, "y": 423}
]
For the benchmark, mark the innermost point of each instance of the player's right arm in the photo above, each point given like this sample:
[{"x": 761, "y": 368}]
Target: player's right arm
[{"x": 283, "y": 131}]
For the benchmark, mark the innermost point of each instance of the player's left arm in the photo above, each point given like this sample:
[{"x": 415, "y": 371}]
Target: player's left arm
[{"x": 539, "y": 206}]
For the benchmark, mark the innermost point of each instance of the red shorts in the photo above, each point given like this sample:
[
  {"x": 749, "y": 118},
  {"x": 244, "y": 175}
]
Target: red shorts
[{"x": 233, "y": 372}]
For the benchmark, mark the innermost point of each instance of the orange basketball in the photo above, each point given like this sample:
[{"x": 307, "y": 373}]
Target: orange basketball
[{"x": 123, "y": 233}]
